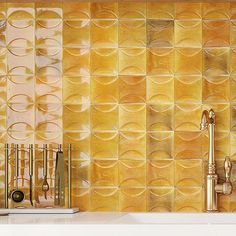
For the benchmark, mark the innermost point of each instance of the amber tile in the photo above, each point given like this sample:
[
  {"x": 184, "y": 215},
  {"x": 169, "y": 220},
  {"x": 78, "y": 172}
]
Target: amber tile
[
  {"x": 232, "y": 61},
  {"x": 104, "y": 199},
  {"x": 188, "y": 173},
  {"x": 160, "y": 173},
  {"x": 155, "y": 58},
  {"x": 233, "y": 117},
  {"x": 132, "y": 173},
  {"x": 76, "y": 33},
  {"x": 188, "y": 145},
  {"x": 132, "y": 89},
  {"x": 233, "y": 89},
  {"x": 216, "y": 33},
  {"x": 233, "y": 145},
  {"x": 104, "y": 89},
  {"x": 216, "y": 89},
  {"x": 189, "y": 199},
  {"x": 48, "y": 10},
  {"x": 80, "y": 198},
  {"x": 132, "y": 117},
  {"x": 186, "y": 11},
  {"x": 104, "y": 117},
  {"x": 80, "y": 173},
  {"x": 71, "y": 86},
  {"x": 188, "y": 89},
  {"x": 233, "y": 10},
  {"x": 132, "y": 33},
  {"x": 160, "y": 89},
  {"x": 160, "y": 199},
  {"x": 132, "y": 199},
  {"x": 80, "y": 142},
  {"x": 184, "y": 120},
  {"x": 160, "y": 10},
  {"x": 76, "y": 10},
  {"x": 132, "y": 61},
  {"x": 188, "y": 33},
  {"x": 222, "y": 112},
  {"x": 232, "y": 33},
  {"x": 132, "y": 145},
  {"x": 159, "y": 145},
  {"x": 76, "y": 117},
  {"x": 222, "y": 144},
  {"x": 104, "y": 10},
  {"x": 103, "y": 61},
  {"x": 216, "y": 61},
  {"x": 104, "y": 33},
  {"x": 160, "y": 33},
  {"x": 104, "y": 145},
  {"x": 76, "y": 61},
  {"x": 188, "y": 61},
  {"x": 104, "y": 173},
  {"x": 215, "y": 10},
  {"x": 131, "y": 10}
]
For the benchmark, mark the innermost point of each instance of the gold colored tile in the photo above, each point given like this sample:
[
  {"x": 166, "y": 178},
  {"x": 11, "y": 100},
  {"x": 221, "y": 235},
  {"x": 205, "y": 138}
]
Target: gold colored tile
[
  {"x": 189, "y": 199},
  {"x": 222, "y": 112},
  {"x": 233, "y": 117},
  {"x": 233, "y": 88},
  {"x": 233, "y": 145},
  {"x": 104, "y": 117},
  {"x": 132, "y": 145},
  {"x": 188, "y": 145},
  {"x": 232, "y": 10},
  {"x": 160, "y": 10},
  {"x": 215, "y": 10},
  {"x": 232, "y": 33},
  {"x": 132, "y": 33},
  {"x": 46, "y": 10},
  {"x": 160, "y": 173},
  {"x": 188, "y": 61},
  {"x": 216, "y": 33},
  {"x": 232, "y": 61},
  {"x": 104, "y": 199},
  {"x": 184, "y": 120},
  {"x": 76, "y": 33},
  {"x": 132, "y": 117},
  {"x": 76, "y": 61},
  {"x": 132, "y": 89},
  {"x": 160, "y": 199},
  {"x": 160, "y": 89},
  {"x": 80, "y": 198},
  {"x": 160, "y": 117},
  {"x": 132, "y": 200},
  {"x": 132, "y": 173},
  {"x": 104, "y": 10},
  {"x": 155, "y": 58},
  {"x": 71, "y": 86},
  {"x": 132, "y": 10},
  {"x": 3, "y": 10},
  {"x": 103, "y": 61},
  {"x": 80, "y": 173},
  {"x": 160, "y": 33},
  {"x": 105, "y": 89},
  {"x": 104, "y": 33},
  {"x": 222, "y": 147},
  {"x": 188, "y": 33},
  {"x": 188, "y": 89},
  {"x": 216, "y": 89},
  {"x": 216, "y": 61},
  {"x": 188, "y": 173},
  {"x": 132, "y": 61},
  {"x": 159, "y": 145},
  {"x": 76, "y": 10},
  {"x": 104, "y": 144},
  {"x": 186, "y": 11},
  {"x": 76, "y": 117},
  {"x": 104, "y": 173}
]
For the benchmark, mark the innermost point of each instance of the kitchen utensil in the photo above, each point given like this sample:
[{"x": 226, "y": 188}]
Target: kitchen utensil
[
  {"x": 45, "y": 186},
  {"x": 6, "y": 174},
  {"x": 59, "y": 199},
  {"x": 31, "y": 156},
  {"x": 16, "y": 194},
  {"x": 69, "y": 175}
]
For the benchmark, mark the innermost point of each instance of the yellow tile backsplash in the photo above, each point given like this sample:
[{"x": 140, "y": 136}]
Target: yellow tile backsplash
[{"x": 125, "y": 83}]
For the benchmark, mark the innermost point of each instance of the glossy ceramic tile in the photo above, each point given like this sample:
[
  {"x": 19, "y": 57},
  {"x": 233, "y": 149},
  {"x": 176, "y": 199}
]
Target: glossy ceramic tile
[{"x": 125, "y": 83}]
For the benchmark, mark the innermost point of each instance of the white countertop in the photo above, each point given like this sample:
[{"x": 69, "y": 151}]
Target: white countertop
[{"x": 119, "y": 223}]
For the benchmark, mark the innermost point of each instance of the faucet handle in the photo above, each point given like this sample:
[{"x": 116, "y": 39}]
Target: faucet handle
[{"x": 228, "y": 167}]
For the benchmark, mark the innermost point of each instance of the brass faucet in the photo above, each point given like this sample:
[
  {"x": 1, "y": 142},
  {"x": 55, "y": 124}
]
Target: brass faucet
[{"x": 213, "y": 188}]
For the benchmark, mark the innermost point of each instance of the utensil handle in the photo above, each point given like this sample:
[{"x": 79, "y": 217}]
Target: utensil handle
[
  {"x": 16, "y": 160},
  {"x": 6, "y": 174},
  {"x": 31, "y": 156},
  {"x": 69, "y": 175},
  {"x": 45, "y": 160}
]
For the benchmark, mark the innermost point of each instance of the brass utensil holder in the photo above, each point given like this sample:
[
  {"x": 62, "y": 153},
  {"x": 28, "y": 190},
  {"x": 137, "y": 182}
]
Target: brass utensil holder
[{"x": 31, "y": 149}]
